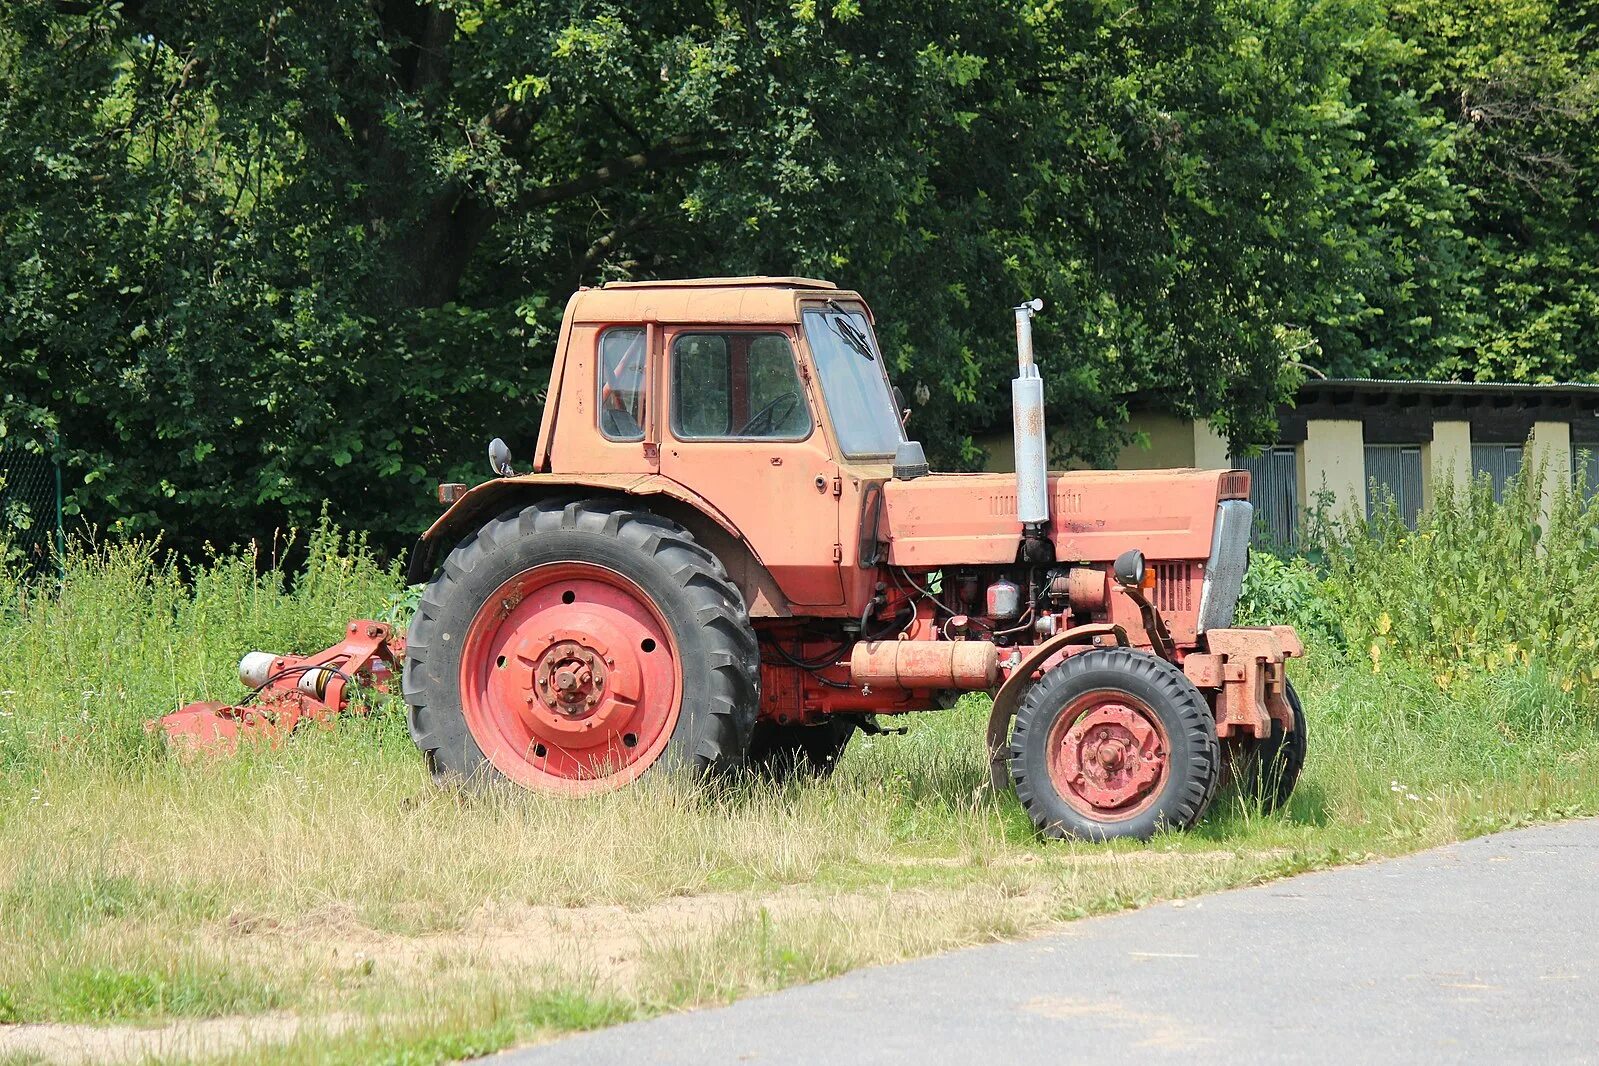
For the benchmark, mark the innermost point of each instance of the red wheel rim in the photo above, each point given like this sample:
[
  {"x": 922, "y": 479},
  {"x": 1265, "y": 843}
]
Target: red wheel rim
[
  {"x": 570, "y": 680},
  {"x": 1108, "y": 755}
]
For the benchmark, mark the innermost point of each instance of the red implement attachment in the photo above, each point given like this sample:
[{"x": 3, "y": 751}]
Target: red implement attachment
[{"x": 285, "y": 690}]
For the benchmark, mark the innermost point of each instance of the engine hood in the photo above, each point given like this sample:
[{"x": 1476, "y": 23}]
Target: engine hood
[{"x": 1095, "y": 515}]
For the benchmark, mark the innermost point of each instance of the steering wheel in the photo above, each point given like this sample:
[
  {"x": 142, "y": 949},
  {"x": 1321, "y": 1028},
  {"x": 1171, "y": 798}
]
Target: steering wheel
[{"x": 769, "y": 417}]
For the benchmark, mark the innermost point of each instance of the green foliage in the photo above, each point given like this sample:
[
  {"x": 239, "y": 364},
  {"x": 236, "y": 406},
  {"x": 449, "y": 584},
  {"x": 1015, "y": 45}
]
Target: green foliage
[
  {"x": 258, "y": 255},
  {"x": 1289, "y": 591},
  {"x": 1480, "y": 587},
  {"x": 1515, "y": 86}
]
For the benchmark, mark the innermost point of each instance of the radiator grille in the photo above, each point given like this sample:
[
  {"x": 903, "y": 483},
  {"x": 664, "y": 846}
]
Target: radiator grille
[
  {"x": 1174, "y": 588},
  {"x": 1229, "y": 558}
]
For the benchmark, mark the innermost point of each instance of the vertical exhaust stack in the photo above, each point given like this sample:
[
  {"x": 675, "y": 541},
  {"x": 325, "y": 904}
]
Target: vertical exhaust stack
[{"x": 1032, "y": 444}]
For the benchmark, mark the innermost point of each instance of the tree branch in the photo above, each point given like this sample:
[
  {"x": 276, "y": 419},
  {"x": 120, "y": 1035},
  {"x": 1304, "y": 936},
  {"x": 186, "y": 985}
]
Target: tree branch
[
  {"x": 604, "y": 245},
  {"x": 676, "y": 150}
]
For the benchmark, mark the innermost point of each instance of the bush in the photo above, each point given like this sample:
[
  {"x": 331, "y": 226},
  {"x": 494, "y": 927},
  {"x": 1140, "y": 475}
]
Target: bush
[{"x": 1288, "y": 591}]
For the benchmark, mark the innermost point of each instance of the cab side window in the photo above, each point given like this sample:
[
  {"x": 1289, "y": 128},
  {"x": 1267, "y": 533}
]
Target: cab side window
[
  {"x": 622, "y": 384},
  {"x": 737, "y": 386}
]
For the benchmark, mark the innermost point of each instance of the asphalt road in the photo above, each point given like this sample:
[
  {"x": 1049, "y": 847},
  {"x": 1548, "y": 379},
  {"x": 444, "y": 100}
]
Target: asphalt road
[{"x": 1482, "y": 951}]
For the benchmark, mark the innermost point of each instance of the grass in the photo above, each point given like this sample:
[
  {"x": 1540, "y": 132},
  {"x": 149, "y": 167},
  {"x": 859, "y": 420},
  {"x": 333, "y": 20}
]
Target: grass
[{"x": 329, "y": 882}]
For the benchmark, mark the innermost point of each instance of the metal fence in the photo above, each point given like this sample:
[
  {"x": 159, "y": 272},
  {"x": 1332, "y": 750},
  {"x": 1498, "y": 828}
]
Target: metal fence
[
  {"x": 31, "y": 533},
  {"x": 1500, "y": 462},
  {"x": 1585, "y": 469}
]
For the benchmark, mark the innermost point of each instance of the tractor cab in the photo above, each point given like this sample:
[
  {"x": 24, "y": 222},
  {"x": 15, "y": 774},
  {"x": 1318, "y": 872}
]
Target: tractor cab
[
  {"x": 677, "y": 363},
  {"x": 722, "y": 385}
]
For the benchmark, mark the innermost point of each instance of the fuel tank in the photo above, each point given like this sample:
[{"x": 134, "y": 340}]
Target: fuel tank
[{"x": 1094, "y": 515}]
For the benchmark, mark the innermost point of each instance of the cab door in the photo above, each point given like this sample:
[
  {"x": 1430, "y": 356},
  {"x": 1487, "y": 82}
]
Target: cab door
[{"x": 742, "y": 431}]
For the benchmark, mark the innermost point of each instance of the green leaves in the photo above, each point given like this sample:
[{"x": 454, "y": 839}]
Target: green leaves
[
  {"x": 254, "y": 256},
  {"x": 1479, "y": 586}
]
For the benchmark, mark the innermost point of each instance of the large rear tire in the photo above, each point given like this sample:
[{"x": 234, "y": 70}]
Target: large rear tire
[
  {"x": 570, "y": 647},
  {"x": 1114, "y": 743}
]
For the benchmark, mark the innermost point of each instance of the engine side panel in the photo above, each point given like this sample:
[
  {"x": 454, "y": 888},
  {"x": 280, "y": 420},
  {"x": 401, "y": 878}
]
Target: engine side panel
[{"x": 1095, "y": 515}]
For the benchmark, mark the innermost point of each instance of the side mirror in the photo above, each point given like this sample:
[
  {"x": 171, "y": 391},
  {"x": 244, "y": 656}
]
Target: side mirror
[
  {"x": 1128, "y": 569},
  {"x": 500, "y": 458}
]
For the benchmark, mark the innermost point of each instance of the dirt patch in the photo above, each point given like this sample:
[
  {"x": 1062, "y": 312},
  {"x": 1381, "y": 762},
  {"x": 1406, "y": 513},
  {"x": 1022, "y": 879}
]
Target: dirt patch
[
  {"x": 70, "y": 1045},
  {"x": 604, "y": 944}
]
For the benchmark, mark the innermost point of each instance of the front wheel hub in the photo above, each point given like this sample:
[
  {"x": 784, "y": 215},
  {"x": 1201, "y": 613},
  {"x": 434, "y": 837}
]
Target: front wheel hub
[
  {"x": 1108, "y": 755},
  {"x": 570, "y": 677}
]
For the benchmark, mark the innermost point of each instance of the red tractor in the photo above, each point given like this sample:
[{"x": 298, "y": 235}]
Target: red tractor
[{"x": 726, "y": 551}]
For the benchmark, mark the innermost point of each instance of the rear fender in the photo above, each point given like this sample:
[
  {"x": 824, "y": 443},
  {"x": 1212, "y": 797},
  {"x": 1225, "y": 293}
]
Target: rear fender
[{"x": 659, "y": 495}]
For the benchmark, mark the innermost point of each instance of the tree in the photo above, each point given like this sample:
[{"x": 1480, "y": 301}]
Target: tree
[{"x": 258, "y": 255}]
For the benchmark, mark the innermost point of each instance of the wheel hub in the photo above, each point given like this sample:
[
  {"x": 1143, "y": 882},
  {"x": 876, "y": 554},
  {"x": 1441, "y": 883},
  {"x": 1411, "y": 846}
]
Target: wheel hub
[
  {"x": 570, "y": 681},
  {"x": 570, "y": 677},
  {"x": 1107, "y": 757}
]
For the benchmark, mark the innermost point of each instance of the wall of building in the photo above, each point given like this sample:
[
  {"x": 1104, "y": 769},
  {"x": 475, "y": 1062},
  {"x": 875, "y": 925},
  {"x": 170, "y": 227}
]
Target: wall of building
[
  {"x": 1167, "y": 442},
  {"x": 1333, "y": 423}
]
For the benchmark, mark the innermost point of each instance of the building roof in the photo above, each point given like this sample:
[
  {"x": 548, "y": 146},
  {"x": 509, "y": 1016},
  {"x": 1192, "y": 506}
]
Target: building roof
[
  {"x": 1403, "y": 412},
  {"x": 1451, "y": 388}
]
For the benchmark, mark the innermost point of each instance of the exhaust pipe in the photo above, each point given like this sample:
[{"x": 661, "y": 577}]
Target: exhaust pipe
[{"x": 1032, "y": 444}]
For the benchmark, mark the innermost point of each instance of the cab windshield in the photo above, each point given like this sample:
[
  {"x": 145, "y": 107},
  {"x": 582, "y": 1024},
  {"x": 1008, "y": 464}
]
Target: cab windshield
[{"x": 854, "y": 382}]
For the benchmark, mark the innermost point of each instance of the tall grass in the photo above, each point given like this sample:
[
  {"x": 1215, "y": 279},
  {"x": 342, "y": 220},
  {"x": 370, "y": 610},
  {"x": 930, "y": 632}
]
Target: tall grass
[
  {"x": 129, "y": 632},
  {"x": 330, "y": 877},
  {"x": 1480, "y": 586}
]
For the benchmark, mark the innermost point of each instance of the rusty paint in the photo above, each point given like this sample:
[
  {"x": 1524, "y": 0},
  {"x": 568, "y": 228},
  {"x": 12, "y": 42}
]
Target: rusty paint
[
  {"x": 370, "y": 653},
  {"x": 1234, "y": 485},
  {"x": 1087, "y": 588},
  {"x": 953, "y": 664},
  {"x": 1170, "y": 514},
  {"x": 1252, "y": 690},
  {"x": 1205, "y": 671},
  {"x": 1108, "y": 755},
  {"x": 1019, "y": 673}
]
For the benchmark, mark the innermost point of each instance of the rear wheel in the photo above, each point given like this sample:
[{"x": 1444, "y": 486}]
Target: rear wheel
[
  {"x": 1266, "y": 771},
  {"x": 571, "y": 647},
  {"x": 781, "y": 752},
  {"x": 1113, "y": 743}
]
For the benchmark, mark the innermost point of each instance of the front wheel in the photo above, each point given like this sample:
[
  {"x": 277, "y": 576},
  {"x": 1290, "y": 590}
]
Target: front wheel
[{"x": 1114, "y": 743}]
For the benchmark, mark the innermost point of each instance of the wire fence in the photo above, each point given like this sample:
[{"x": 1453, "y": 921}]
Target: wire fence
[{"x": 31, "y": 532}]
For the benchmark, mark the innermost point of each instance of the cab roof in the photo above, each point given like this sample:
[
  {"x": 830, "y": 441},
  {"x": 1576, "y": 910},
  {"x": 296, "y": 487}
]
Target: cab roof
[
  {"x": 750, "y": 281},
  {"x": 758, "y": 300}
]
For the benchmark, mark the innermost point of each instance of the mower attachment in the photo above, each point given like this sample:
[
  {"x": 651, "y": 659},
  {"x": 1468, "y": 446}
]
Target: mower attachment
[{"x": 286, "y": 689}]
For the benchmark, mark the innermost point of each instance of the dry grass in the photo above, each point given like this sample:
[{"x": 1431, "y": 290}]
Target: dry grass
[{"x": 330, "y": 881}]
